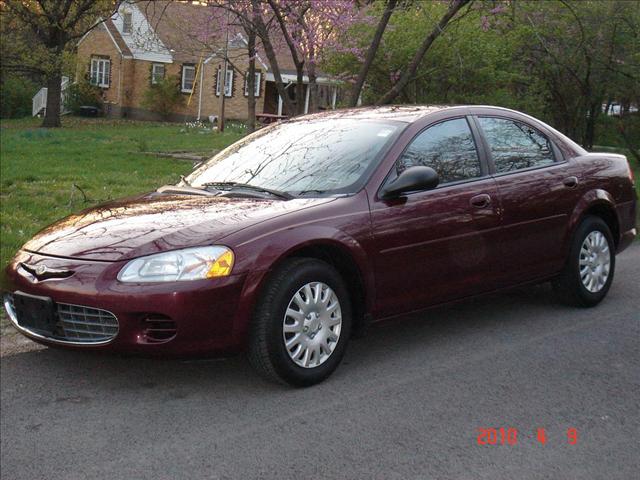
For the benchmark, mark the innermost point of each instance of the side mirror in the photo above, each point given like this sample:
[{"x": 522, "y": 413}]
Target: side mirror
[{"x": 413, "y": 179}]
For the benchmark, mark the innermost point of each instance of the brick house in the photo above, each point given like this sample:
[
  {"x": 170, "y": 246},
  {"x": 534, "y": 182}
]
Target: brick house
[{"x": 146, "y": 41}]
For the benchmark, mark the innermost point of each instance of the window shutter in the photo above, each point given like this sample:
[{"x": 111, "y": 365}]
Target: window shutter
[
  {"x": 107, "y": 73},
  {"x": 218, "y": 81},
  {"x": 92, "y": 72}
]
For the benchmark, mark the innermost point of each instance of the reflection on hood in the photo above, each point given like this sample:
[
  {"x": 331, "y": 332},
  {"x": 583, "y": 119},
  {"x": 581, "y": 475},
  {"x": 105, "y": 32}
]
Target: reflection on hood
[{"x": 151, "y": 223}]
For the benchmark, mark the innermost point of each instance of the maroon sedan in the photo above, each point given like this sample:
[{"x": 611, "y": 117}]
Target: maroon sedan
[{"x": 290, "y": 240}]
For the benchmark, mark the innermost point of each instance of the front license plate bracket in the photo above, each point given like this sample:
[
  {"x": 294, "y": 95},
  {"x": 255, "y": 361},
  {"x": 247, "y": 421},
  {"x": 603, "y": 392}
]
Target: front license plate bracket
[{"x": 34, "y": 312}]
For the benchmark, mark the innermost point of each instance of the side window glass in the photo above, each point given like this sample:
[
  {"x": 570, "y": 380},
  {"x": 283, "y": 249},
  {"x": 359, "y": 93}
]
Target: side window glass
[
  {"x": 448, "y": 148},
  {"x": 515, "y": 146}
]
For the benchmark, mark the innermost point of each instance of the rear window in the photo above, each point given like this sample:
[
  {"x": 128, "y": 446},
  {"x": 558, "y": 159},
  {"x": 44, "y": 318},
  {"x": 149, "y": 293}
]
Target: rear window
[{"x": 515, "y": 145}]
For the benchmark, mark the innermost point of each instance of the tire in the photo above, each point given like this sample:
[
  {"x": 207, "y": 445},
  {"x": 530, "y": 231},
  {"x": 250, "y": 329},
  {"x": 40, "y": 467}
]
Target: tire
[
  {"x": 278, "y": 309},
  {"x": 582, "y": 285}
]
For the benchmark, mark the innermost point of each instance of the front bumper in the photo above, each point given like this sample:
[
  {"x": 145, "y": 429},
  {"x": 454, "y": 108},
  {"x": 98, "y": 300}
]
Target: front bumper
[{"x": 181, "y": 318}]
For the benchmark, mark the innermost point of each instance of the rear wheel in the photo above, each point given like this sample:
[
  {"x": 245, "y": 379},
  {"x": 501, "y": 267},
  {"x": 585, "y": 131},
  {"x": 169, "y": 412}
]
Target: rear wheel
[
  {"x": 589, "y": 270},
  {"x": 302, "y": 323}
]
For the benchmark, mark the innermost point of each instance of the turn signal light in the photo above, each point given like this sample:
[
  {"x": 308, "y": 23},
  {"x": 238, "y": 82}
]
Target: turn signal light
[{"x": 222, "y": 266}]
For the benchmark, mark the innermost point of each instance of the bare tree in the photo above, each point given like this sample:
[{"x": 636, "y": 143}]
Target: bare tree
[
  {"x": 278, "y": 13},
  {"x": 371, "y": 52}
]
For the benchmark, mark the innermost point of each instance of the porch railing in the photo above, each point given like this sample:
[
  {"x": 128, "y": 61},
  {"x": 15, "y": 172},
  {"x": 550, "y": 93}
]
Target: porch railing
[{"x": 39, "y": 100}]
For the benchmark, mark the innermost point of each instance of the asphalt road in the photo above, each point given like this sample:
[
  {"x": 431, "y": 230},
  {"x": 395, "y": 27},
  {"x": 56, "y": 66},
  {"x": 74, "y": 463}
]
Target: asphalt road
[{"x": 407, "y": 402}]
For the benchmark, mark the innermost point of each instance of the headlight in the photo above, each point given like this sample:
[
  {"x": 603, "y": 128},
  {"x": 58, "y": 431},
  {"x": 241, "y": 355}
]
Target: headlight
[{"x": 179, "y": 265}]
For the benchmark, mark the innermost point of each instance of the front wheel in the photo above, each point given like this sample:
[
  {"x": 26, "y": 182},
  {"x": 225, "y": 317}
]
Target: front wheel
[
  {"x": 301, "y": 324},
  {"x": 589, "y": 270}
]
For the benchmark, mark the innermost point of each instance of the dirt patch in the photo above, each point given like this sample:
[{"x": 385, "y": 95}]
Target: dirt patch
[{"x": 189, "y": 156}]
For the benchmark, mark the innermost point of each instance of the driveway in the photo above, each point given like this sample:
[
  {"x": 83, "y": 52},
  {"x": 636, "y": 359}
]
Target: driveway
[{"x": 406, "y": 403}]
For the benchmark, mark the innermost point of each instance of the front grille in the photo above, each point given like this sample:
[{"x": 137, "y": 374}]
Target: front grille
[
  {"x": 74, "y": 323},
  {"x": 85, "y": 324}
]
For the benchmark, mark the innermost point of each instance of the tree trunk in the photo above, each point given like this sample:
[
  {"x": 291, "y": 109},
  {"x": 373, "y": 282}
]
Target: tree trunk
[
  {"x": 410, "y": 71},
  {"x": 590, "y": 126},
  {"x": 251, "y": 81},
  {"x": 299, "y": 89},
  {"x": 297, "y": 61},
  {"x": 312, "y": 87},
  {"x": 371, "y": 53},
  {"x": 313, "y": 92},
  {"x": 269, "y": 51},
  {"x": 54, "y": 93}
]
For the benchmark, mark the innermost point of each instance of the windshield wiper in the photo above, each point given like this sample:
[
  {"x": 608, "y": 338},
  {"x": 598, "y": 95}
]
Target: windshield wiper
[
  {"x": 232, "y": 185},
  {"x": 184, "y": 190},
  {"x": 311, "y": 190}
]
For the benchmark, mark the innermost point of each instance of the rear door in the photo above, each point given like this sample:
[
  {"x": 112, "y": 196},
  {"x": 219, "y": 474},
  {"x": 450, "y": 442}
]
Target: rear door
[
  {"x": 538, "y": 191},
  {"x": 437, "y": 245}
]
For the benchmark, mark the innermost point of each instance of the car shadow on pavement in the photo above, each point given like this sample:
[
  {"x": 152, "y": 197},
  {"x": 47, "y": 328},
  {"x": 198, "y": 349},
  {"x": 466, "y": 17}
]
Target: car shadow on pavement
[{"x": 83, "y": 375}]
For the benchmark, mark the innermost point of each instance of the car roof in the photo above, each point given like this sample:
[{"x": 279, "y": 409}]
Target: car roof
[
  {"x": 413, "y": 113},
  {"x": 400, "y": 113}
]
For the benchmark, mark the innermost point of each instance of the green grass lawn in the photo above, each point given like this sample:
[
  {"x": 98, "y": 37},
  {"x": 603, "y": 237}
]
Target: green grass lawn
[{"x": 39, "y": 167}]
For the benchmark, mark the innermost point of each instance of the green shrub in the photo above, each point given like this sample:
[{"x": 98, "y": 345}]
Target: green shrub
[
  {"x": 83, "y": 94},
  {"x": 15, "y": 97},
  {"x": 164, "y": 97}
]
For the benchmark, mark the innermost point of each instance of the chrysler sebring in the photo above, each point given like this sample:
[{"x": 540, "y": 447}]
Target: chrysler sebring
[{"x": 290, "y": 240}]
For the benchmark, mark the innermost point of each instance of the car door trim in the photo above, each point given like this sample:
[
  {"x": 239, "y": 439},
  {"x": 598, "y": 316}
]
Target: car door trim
[{"x": 443, "y": 239}]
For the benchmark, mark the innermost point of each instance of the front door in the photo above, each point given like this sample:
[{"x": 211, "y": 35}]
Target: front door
[{"x": 438, "y": 245}]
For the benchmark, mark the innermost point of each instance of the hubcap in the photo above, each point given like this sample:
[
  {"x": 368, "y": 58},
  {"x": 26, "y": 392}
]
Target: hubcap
[
  {"x": 595, "y": 261},
  {"x": 312, "y": 324}
]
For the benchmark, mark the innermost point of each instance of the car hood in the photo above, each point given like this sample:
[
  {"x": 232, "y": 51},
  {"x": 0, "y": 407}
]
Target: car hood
[{"x": 129, "y": 228}]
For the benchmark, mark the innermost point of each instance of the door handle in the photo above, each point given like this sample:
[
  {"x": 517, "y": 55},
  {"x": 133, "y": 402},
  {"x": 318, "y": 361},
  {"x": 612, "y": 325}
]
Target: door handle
[
  {"x": 480, "y": 201},
  {"x": 570, "y": 182}
]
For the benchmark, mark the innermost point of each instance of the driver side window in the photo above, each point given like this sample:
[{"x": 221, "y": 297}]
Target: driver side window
[{"x": 448, "y": 148}]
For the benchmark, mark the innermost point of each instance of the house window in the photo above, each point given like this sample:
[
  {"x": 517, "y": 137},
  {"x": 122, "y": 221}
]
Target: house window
[
  {"x": 100, "y": 73},
  {"x": 127, "y": 22},
  {"x": 157, "y": 73},
  {"x": 256, "y": 92},
  {"x": 228, "y": 84},
  {"x": 188, "y": 78}
]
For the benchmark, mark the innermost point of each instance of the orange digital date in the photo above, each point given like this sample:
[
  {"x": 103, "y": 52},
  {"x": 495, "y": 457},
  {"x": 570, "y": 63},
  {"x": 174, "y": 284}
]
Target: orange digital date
[{"x": 509, "y": 436}]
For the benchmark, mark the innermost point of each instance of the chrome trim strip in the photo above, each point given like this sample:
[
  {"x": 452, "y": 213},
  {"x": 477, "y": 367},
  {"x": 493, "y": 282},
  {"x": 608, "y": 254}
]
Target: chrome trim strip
[{"x": 36, "y": 336}]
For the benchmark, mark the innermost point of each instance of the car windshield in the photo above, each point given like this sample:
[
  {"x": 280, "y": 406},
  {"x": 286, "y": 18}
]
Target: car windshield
[{"x": 304, "y": 157}]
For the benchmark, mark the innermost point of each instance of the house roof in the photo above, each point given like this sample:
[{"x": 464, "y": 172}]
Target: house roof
[
  {"x": 117, "y": 38},
  {"x": 191, "y": 31},
  {"x": 186, "y": 30}
]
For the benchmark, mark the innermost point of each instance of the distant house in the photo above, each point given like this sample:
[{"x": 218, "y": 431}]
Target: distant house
[{"x": 146, "y": 41}]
